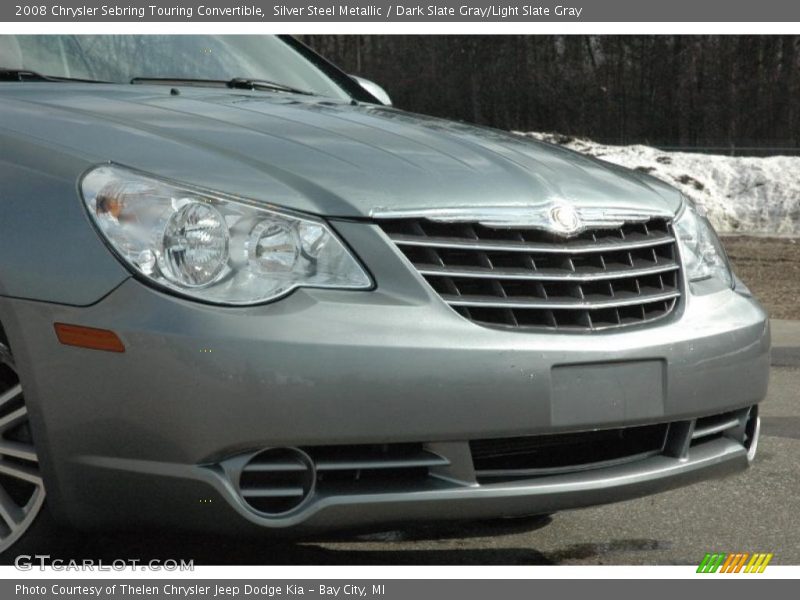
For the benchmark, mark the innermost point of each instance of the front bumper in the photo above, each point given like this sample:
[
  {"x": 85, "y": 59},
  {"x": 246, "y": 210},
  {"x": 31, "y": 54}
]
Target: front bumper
[{"x": 135, "y": 437}]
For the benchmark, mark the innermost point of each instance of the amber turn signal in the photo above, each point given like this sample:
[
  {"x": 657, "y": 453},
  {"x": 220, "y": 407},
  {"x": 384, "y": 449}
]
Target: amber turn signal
[{"x": 88, "y": 337}]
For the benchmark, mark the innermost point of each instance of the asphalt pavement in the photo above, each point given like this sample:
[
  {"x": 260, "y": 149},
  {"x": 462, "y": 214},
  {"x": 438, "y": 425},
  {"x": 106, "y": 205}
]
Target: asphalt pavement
[{"x": 753, "y": 511}]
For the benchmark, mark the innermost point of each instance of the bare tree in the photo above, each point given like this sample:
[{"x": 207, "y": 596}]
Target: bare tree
[{"x": 734, "y": 92}]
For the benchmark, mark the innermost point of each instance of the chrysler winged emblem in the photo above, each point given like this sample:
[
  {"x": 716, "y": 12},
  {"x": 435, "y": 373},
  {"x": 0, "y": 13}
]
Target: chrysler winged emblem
[{"x": 565, "y": 219}]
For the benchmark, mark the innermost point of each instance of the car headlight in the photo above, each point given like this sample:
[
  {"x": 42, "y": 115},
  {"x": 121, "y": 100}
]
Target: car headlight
[
  {"x": 704, "y": 258},
  {"x": 213, "y": 247}
]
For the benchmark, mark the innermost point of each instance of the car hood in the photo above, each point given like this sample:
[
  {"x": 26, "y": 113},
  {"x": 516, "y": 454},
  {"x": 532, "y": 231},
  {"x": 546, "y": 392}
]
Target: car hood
[{"x": 313, "y": 154}]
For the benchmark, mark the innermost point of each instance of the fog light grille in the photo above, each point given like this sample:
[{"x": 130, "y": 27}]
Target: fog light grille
[{"x": 277, "y": 480}]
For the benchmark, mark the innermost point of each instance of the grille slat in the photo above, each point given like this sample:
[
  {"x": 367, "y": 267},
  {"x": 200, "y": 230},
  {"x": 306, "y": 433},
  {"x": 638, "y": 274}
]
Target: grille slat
[
  {"x": 422, "y": 459},
  {"x": 714, "y": 429},
  {"x": 715, "y": 424},
  {"x": 523, "y": 277},
  {"x": 511, "y": 246},
  {"x": 287, "y": 492},
  {"x": 274, "y": 466},
  {"x": 555, "y": 304},
  {"x": 544, "y": 275}
]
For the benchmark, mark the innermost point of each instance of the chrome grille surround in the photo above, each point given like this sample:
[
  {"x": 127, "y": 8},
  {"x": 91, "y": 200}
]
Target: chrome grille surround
[{"x": 620, "y": 268}]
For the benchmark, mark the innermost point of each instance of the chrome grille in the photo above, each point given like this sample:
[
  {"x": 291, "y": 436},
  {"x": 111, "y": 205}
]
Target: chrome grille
[{"x": 524, "y": 277}]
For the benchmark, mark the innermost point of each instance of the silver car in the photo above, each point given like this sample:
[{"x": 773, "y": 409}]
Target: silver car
[{"x": 240, "y": 292}]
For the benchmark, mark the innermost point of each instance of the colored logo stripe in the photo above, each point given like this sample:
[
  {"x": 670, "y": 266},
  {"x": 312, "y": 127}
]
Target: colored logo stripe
[
  {"x": 758, "y": 563},
  {"x": 711, "y": 562},
  {"x": 734, "y": 562},
  {"x": 740, "y": 564},
  {"x": 729, "y": 562}
]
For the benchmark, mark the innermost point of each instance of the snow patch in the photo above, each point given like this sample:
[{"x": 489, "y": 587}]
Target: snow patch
[{"x": 747, "y": 195}]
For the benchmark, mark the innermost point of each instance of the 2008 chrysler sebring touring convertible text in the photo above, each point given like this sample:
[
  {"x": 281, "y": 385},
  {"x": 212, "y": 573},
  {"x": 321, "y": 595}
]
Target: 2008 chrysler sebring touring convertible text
[{"x": 240, "y": 292}]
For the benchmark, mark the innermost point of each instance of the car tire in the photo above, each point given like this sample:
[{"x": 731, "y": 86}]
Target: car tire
[{"x": 22, "y": 491}]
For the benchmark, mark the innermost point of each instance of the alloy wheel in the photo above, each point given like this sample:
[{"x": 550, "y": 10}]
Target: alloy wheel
[{"x": 21, "y": 486}]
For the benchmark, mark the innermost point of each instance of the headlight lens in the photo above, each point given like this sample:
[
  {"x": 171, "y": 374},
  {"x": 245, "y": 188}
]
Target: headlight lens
[
  {"x": 194, "y": 249},
  {"x": 702, "y": 252},
  {"x": 212, "y": 247}
]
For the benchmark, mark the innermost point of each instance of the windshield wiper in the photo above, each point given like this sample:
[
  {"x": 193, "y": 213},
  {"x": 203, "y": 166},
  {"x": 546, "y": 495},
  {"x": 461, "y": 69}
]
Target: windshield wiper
[
  {"x": 243, "y": 83},
  {"x": 21, "y": 75},
  {"x": 28, "y": 75},
  {"x": 237, "y": 83}
]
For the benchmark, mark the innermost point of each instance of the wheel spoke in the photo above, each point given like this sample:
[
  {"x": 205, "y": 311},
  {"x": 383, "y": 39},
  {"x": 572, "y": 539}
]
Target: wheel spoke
[
  {"x": 18, "y": 461},
  {"x": 9, "y": 511},
  {"x": 10, "y": 394},
  {"x": 13, "y": 419},
  {"x": 23, "y": 472},
  {"x": 18, "y": 450}
]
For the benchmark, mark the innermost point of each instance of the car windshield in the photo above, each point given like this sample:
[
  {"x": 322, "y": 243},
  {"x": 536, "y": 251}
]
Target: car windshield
[{"x": 121, "y": 58}]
